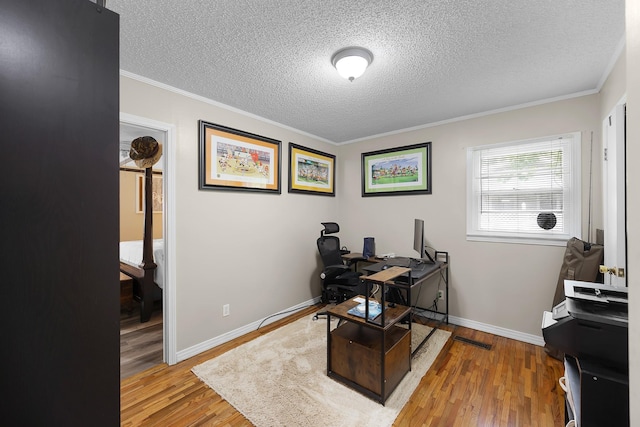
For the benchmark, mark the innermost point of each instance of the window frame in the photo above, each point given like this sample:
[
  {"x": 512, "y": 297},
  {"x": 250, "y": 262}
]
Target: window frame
[{"x": 572, "y": 212}]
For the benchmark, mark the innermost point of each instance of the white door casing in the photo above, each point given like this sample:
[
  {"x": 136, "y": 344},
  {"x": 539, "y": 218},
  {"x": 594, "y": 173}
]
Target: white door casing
[
  {"x": 169, "y": 232},
  {"x": 614, "y": 197}
]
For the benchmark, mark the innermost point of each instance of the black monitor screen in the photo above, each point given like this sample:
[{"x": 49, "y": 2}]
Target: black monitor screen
[
  {"x": 418, "y": 237},
  {"x": 418, "y": 240}
]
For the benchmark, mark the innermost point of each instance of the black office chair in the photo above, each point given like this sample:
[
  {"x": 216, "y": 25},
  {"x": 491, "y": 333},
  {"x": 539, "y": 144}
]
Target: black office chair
[{"x": 339, "y": 281}]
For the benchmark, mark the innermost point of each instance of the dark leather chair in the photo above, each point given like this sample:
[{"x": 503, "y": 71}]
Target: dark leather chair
[{"x": 339, "y": 280}]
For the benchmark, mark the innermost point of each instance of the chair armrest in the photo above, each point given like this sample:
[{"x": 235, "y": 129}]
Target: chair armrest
[{"x": 333, "y": 270}]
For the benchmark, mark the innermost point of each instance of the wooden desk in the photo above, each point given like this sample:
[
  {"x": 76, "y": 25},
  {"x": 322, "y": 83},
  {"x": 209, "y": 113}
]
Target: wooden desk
[
  {"x": 351, "y": 256},
  {"x": 408, "y": 283},
  {"x": 370, "y": 356},
  {"x": 359, "y": 257},
  {"x": 355, "y": 257}
]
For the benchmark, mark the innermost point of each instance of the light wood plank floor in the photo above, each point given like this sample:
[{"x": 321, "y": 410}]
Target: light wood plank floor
[
  {"x": 511, "y": 384},
  {"x": 140, "y": 343}
]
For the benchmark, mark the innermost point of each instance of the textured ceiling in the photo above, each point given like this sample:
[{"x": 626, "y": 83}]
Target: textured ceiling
[{"x": 433, "y": 60}]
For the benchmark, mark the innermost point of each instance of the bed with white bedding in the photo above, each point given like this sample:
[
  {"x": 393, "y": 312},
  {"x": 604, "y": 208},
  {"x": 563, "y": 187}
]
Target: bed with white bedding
[
  {"x": 143, "y": 260},
  {"x": 147, "y": 282},
  {"x": 131, "y": 254}
]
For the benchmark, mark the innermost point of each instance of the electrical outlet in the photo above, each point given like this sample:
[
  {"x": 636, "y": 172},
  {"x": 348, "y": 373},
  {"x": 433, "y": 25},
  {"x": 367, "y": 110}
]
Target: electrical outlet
[
  {"x": 440, "y": 294},
  {"x": 225, "y": 310}
]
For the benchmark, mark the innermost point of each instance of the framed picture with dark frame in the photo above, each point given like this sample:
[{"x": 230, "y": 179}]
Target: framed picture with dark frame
[
  {"x": 397, "y": 171},
  {"x": 311, "y": 171},
  {"x": 231, "y": 159}
]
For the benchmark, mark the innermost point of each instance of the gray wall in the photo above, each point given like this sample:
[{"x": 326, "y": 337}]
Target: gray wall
[
  {"x": 497, "y": 287},
  {"x": 502, "y": 288}
]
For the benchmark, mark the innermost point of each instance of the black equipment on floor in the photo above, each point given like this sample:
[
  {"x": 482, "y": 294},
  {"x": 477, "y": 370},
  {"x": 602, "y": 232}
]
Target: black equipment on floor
[{"x": 591, "y": 327}]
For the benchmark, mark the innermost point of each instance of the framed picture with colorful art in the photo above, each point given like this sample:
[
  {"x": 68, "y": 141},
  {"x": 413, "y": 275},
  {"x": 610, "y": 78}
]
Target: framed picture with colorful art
[
  {"x": 311, "y": 171},
  {"x": 397, "y": 171},
  {"x": 231, "y": 159}
]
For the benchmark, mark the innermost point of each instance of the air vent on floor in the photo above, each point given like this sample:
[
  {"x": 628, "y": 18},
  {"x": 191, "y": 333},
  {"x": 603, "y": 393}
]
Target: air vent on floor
[{"x": 472, "y": 342}]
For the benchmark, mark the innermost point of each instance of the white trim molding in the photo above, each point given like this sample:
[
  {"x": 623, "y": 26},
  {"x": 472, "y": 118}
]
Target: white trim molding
[
  {"x": 226, "y": 337},
  {"x": 497, "y": 330}
]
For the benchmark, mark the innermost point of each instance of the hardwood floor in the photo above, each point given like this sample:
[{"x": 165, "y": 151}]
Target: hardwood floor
[
  {"x": 140, "y": 343},
  {"x": 510, "y": 384}
]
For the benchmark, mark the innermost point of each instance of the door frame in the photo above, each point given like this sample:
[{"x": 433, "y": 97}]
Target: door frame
[
  {"x": 169, "y": 347},
  {"x": 614, "y": 194}
]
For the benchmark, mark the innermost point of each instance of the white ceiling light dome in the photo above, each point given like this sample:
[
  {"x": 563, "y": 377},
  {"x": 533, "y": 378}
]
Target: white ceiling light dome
[{"x": 351, "y": 62}]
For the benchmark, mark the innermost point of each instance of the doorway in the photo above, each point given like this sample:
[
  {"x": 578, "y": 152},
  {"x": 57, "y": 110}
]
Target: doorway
[{"x": 162, "y": 323}]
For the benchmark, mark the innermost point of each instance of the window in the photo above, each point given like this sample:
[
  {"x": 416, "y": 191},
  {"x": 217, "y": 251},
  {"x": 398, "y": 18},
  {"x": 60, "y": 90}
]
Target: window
[{"x": 525, "y": 191}]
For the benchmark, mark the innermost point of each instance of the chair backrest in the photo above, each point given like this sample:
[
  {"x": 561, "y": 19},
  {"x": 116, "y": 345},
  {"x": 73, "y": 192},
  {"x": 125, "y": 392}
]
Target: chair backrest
[
  {"x": 329, "y": 248},
  {"x": 330, "y": 228}
]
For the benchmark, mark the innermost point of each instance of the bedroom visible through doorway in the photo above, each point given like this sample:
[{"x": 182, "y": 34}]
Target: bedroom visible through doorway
[{"x": 143, "y": 342}]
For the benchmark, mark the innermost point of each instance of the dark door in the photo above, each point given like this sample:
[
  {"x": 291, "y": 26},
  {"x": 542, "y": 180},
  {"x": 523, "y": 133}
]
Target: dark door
[{"x": 59, "y": 294}]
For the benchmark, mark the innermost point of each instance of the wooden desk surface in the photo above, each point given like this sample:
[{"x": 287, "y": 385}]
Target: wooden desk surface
[
  {"x": 354, "y": 255},
  {"x": 387, "y": 275},
  {"x": 429, "y": 270},
  {"x": 392, "y": 314}
]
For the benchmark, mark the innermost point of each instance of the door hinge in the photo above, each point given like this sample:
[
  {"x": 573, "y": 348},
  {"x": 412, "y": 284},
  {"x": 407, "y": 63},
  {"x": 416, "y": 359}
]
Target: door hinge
[{"x": 605, "y": 154}]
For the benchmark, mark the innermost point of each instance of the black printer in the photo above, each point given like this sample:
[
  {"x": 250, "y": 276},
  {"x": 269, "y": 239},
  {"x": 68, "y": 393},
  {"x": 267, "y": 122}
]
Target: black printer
[
  {"x": 591, "y": 327},
  {"x": 592, "y": 322}
]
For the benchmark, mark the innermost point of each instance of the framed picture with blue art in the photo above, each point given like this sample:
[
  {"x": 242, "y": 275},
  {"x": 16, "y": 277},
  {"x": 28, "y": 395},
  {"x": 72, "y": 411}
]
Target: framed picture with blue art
[
  {"x": 311, "y": 171},
  {"x": 397, "y": 171}
]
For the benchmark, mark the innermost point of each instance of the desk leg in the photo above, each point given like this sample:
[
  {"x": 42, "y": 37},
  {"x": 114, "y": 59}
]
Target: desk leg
[
  {"x": 328, "y": 343},
  {"x": 446, "y": 286},
  {"x": 382, "y": 370},
  {"x": 433, "y": 329}
]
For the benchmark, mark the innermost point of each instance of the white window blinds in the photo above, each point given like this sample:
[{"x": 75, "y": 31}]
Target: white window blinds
[{"x": 525, "y": 191}]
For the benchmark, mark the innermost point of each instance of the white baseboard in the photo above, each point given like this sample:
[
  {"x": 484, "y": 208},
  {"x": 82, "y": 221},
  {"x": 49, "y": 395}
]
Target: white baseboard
[
  {"x": 221, "y": 339},
  {"x": 497, "y": 330}
]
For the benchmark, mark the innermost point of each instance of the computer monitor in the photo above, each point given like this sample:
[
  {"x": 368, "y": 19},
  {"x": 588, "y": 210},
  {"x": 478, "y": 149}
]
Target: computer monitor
[{"x": 418, "y": 241}]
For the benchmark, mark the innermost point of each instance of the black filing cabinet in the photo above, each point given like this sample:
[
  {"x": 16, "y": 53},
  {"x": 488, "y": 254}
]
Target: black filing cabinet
[{"x": 599, "y": 394}]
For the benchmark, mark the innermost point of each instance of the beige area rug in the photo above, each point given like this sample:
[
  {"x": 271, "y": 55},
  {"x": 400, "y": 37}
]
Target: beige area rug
[{"x": 280, "y": 379}]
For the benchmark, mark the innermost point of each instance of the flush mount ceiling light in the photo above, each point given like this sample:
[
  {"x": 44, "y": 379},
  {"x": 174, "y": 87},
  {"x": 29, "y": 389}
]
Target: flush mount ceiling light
[{"x": 351, "y": 62}]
